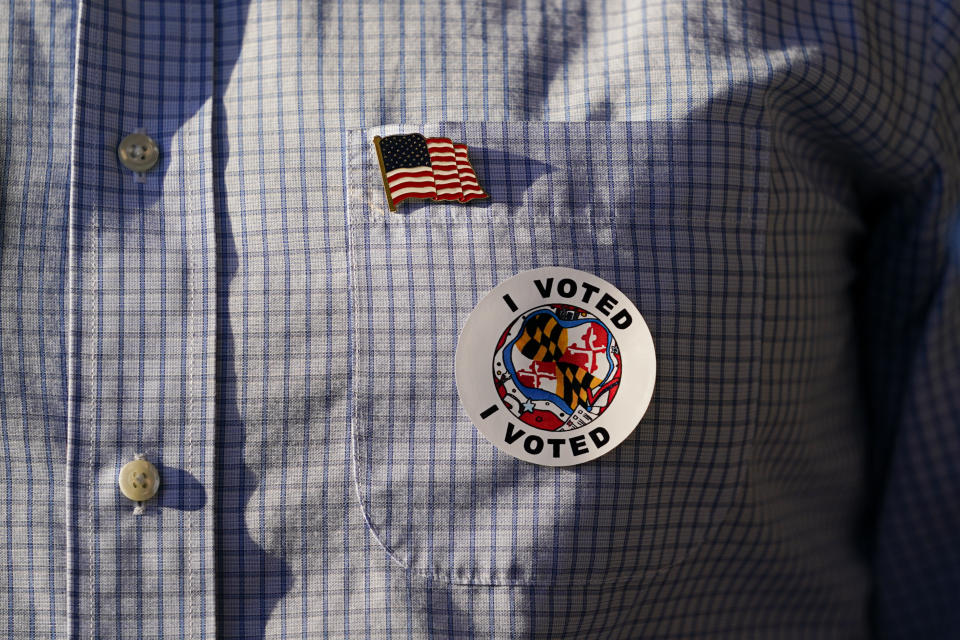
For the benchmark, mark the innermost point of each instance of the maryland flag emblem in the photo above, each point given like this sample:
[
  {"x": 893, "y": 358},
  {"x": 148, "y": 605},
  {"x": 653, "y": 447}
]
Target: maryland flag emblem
[
  {"x": 544, "y": 339},
  {"x": 557, "y": 367}
]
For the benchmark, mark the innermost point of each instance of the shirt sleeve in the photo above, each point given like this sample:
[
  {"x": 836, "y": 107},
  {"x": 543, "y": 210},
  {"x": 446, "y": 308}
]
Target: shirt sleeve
[{"x": 910, "y": 332}]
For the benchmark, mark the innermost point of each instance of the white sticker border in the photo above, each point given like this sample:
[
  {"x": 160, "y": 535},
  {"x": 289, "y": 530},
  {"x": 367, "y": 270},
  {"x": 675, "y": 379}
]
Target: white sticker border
[{"x": 478, "y": 394}]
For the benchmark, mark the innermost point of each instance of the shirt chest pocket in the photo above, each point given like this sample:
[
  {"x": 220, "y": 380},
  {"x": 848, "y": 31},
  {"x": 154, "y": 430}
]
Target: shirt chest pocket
[{"x": 672, "y": 214}]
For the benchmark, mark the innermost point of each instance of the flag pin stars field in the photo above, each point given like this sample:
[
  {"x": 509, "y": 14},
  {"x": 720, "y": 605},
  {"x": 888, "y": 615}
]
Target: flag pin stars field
[{"x": 413, "y": 166}]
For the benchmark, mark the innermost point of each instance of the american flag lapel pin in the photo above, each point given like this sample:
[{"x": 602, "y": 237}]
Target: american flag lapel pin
[{"x": 413, "y": 166}]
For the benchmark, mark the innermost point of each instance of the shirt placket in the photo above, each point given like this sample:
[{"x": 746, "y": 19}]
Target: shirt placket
[{"x": 142, "y": 319}]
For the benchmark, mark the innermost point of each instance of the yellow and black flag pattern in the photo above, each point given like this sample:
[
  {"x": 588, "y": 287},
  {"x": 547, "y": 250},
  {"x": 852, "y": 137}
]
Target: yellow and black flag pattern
[
  {"x": 545, "y": 340},
  {"x": 542, "y": 339},
  {"x": 574, "y": 384}
]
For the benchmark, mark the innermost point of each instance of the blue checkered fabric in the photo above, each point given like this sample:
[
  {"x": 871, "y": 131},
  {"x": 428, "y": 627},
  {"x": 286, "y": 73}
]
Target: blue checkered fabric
[{"x": 775, "y": 185}]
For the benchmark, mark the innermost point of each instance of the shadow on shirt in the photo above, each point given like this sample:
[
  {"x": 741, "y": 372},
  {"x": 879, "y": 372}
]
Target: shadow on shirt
[{"x": 250, "y": 581}]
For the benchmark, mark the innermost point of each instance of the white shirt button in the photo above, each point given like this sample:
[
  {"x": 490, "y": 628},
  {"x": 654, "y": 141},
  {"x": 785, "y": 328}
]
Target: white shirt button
[
  {"x": 139, "y": 480},
  {"x": 138, "y": 152}
]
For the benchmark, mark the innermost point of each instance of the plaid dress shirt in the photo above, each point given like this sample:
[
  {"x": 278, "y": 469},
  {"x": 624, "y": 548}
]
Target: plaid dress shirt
[{"x": 776, "y": 186}]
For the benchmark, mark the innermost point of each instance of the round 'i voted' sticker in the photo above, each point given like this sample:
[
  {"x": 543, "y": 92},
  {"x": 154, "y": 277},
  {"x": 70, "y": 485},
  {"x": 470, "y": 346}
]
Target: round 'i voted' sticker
[{"x": 555, "y": 366}]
